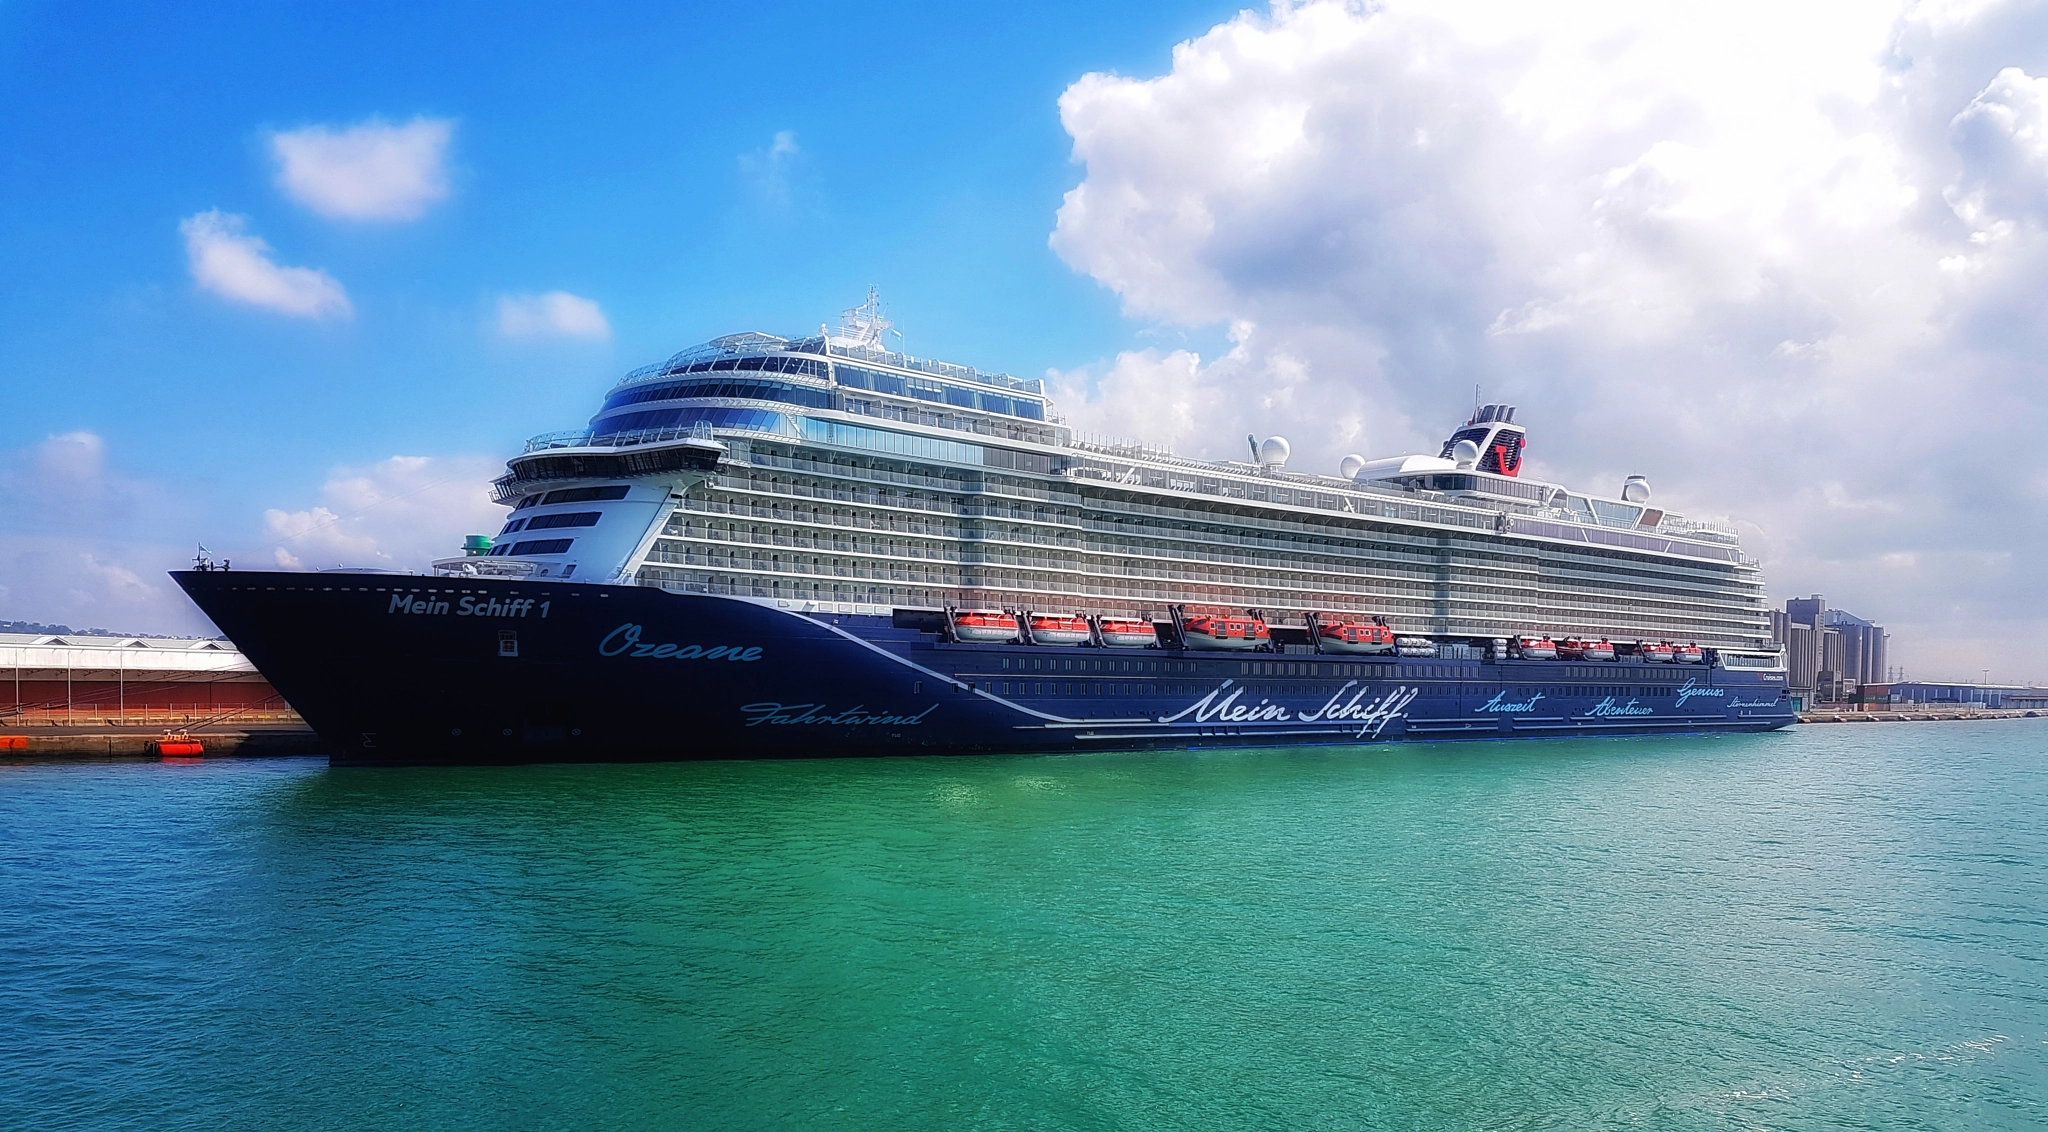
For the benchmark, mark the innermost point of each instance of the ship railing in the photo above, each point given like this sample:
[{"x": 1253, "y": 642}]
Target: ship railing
[
  {"x": 933, "y": 366},
  {"x": 1001, "y": 428},
  {"x": 588, "y": 439},
  {"x": 1504, "y": 622},
  {"x": 1516, "y": 610},
  {"x": 167, "y": 714},
  {"x": 1390, "y": 508},
  {"x": 1424, "y": 554}
]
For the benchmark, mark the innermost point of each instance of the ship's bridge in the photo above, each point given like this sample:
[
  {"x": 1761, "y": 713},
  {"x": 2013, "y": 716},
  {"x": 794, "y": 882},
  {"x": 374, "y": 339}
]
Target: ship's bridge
[{"x": 664, "y": 427}]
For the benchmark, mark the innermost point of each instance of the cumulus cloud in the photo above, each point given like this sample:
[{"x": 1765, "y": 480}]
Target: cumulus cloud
[
  {"x": 1784, "y": 259},
  {"x": 2002, "y": 139},
  {"x": 368, "y": 171},
  {"x": 234, "y": 265},
  {"x": 401, "y": 513},
  {"x": 556, "y": 314}
]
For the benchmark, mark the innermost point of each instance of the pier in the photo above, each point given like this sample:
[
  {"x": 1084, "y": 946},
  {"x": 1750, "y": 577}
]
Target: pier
[
  {"x": 108, "y": 741},
  {"x": 1913, "y": 713}
]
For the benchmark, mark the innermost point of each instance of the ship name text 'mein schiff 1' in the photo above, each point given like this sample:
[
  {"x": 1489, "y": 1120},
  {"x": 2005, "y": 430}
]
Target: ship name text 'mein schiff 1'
[{"x": 814, "y": 546}]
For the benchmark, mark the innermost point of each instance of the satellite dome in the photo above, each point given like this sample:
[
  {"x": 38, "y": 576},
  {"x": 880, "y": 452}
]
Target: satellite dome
[
  {"x": 1636, "y": 489},
  {"x": 1466, "y": 453},
  {"x": 1350, "y": 466},
  {"x": 1273, "y": 452}
]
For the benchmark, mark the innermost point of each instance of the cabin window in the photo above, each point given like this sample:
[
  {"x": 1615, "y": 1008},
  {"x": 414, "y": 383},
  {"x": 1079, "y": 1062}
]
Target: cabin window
[
  {"x": 572, "y": 519},
  {"x": 584, "y": 494}
]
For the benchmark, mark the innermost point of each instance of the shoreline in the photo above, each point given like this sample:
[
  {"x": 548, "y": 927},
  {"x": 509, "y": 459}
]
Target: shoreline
[
  {"x": 100, "y": 742},
  {"x": 1914, "y": 715}
]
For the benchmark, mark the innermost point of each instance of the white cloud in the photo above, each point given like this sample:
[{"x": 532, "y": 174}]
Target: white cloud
[
  {"x": 1784, "y": 259},
  {"x": 369, "y": 171},
  {"x": 768, "y": 171},
  {"x": 85, "y": 545},
  {"x": 401, "y": 513},
  {"x": 122, "y": 585},
  {"x": 2002, "y": 138},
  {"x": 556, "y": 314},
  {"x": 237, "y": 266},
  {"x": 74, "y": 458}
]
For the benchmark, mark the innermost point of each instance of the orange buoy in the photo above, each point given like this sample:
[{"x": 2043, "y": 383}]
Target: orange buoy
[{"x": 178, "y": 744}]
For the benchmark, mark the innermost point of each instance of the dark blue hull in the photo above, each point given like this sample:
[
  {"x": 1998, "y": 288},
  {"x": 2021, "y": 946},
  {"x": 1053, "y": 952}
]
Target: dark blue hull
[{"x": 405, "y": 669}]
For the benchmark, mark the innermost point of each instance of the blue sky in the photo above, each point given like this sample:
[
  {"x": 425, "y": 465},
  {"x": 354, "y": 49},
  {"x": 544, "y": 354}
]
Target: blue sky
[
  {"x": 293, "y": 281},
  {"x": 625, "y": 154}
]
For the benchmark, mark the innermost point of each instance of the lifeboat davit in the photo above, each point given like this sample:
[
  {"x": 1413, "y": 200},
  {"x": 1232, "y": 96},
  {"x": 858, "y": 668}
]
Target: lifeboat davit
[
  {"x": 1596, "y": 650},
  {"x": 1355, "y": 637},
  {"x": 1206, "y": 632},
  {"x": 985, "y": 625},
  {"x": 1052, "y": 629},
  {"x": 1537, "y": 648},
  {"x": 1689, "y": 654},
  {"x": 1659, "y": 653},
  {"x": 1127, "y": 633}
]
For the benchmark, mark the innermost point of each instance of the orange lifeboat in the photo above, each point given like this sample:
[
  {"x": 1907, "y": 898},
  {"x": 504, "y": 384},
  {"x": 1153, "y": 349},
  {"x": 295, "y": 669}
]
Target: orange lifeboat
[
  {"x": 1596, "y": 650},
  {"x": 1127, "y": 633},
  {"x": 1355, "y": 637},
  {"x": 1689, "y": 654},
  {"x": 1659, "y": 653},
  {"x": 1207, "y": 632},
  {"x": 1053, "y": 629},
  {"x": 985, "y": 625},
  {"x": 1571, "y": 648},
  {"x": 1537, "y": 648}
]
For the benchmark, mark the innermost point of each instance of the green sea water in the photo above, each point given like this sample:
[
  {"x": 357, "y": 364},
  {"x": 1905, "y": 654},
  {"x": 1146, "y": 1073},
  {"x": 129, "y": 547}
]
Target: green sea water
[{"x": 1831, "y": 927}]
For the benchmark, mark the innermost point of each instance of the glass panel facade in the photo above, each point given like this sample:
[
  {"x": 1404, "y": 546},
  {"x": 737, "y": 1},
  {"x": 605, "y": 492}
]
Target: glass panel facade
[
  {"x": 583, "y": 494},
  {"x": 881, "y": 440},
  {"x": 702, "y": 387},
  {"x": 647, "y": 420},
  {"x": 572, "y": 519},
  {"x": 857, "y": 377},
  {"x": 537, "y": 546}
]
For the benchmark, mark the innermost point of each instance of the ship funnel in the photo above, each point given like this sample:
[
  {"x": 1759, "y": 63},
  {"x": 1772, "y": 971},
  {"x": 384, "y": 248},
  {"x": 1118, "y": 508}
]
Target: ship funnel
[
  {"x": 1636, "y": 489},
  {"x": 1350, "y": 465},
  {"x": 1273, "y": 453}
]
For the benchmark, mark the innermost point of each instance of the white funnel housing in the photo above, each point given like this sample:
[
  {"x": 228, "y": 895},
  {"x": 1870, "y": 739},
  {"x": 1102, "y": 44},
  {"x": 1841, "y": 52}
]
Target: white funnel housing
[{"x": 1636, "y": 489}]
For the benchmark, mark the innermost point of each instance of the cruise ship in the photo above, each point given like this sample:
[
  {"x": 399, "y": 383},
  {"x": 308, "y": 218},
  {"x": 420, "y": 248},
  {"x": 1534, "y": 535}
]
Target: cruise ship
[{"x": 814, "y": 546}]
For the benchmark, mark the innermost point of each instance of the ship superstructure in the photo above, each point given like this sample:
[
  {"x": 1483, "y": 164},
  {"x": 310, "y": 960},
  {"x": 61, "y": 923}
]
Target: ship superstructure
[{"x": 829, "y": 472}]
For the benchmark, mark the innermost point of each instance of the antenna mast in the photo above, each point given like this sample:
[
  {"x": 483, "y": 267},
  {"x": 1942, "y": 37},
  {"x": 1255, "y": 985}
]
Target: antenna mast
[{"x": 863, "y": 326}]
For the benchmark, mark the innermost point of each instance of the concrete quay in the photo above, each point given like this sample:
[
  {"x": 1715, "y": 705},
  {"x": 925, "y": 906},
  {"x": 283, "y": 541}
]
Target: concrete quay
[
  {"x": 1919, "y": 713},
  {"x": 110, "y": 742}
]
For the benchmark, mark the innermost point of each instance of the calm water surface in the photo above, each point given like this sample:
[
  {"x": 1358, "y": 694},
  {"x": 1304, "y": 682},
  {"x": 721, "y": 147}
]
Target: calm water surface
[{"x": 1839, "y": 927}]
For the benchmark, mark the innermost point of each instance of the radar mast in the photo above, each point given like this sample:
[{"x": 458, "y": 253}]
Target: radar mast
[{"x": 863, "y": 326}]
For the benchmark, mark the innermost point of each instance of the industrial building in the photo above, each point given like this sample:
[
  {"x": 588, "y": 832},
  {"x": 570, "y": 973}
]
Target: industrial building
[
  {"x": 1830, "y": 652},
  {"x": 77, "y": 678}
]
